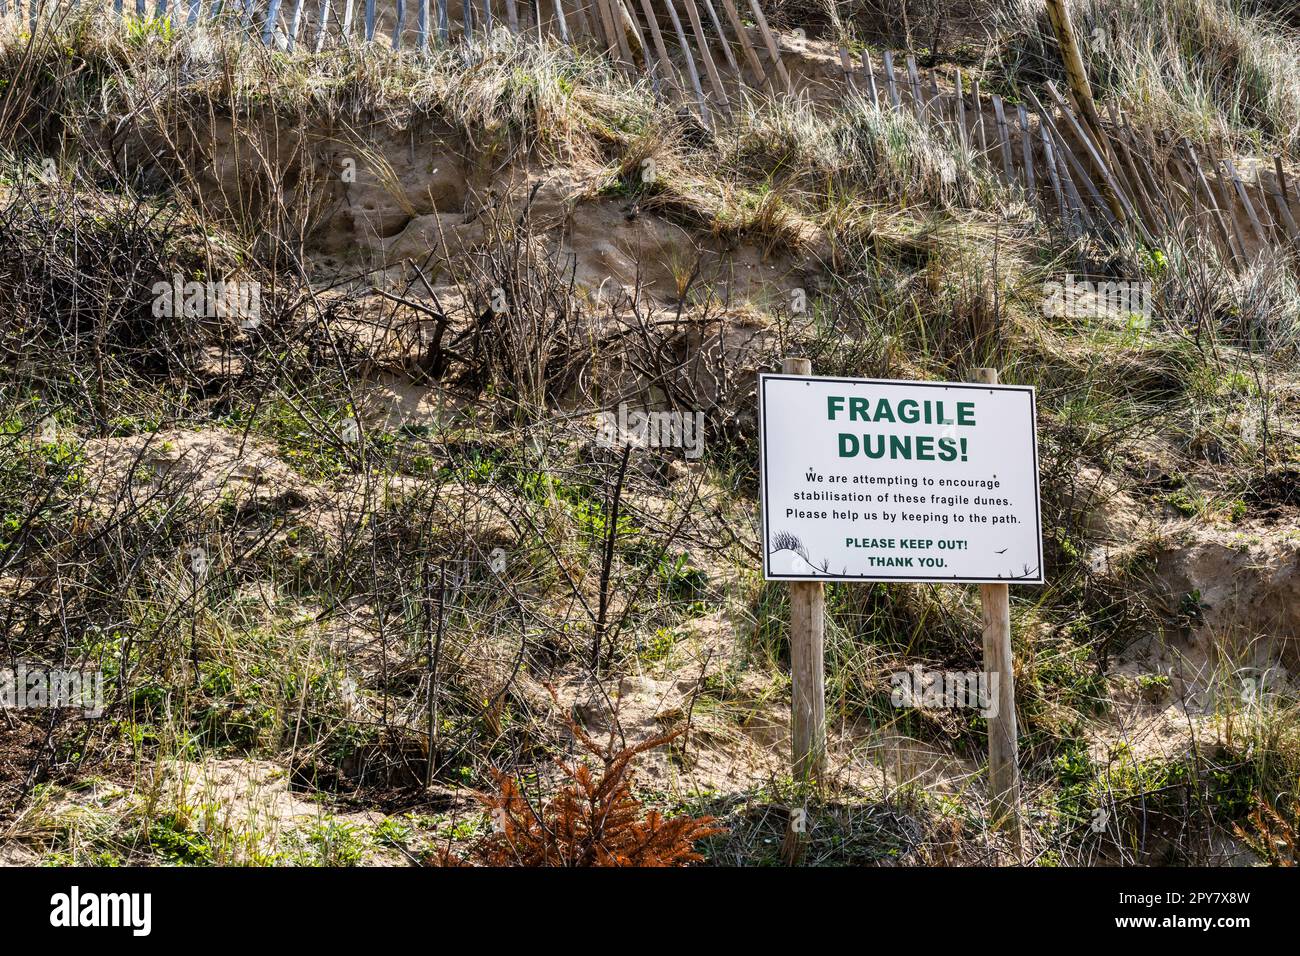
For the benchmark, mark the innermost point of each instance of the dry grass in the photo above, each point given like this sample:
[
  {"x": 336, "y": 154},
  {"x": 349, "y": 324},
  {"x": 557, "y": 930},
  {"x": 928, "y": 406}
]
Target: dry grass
[{"x": 1214, "y": 70}]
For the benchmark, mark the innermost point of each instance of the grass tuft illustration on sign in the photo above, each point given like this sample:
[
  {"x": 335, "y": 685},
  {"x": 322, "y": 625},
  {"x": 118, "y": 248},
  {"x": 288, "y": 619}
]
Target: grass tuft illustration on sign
[{"x": 875, "y": 480}]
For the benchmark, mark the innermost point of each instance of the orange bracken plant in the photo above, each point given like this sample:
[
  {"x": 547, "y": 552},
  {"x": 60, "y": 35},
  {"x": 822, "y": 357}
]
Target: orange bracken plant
[{"x": 594, "y": 820}]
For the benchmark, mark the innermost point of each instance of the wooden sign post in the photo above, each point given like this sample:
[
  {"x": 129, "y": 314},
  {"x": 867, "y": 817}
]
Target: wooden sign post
[
  {"x": 879, "y": 480},
  {"x": 1004, "y": 743},
  {"x": 807, "y": 660}
]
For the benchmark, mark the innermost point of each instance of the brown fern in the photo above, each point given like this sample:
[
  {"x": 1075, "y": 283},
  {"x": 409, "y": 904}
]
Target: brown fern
[
  {"x": 593, "y": 820},
  {"x": 1274, "y": 837}
]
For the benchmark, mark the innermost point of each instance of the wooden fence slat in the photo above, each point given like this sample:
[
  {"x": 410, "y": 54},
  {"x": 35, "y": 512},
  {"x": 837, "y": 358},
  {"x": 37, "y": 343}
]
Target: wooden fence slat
[
  {"x": 606, "y": 26},
  {"x": 705, "y": 117},
  {"x": 370, "y": 19},
  {"x": 889, "y": 80},
  {"x": 715, "y": 81},
  {"x": 846, "y": 66},
  {"x": 443, "y": 17},
  {"x": 1236, "y": 251},
  {"x": 979, "y": 117},
  {"x": 1125, "y": 164},
  {"x": 1072, "y": 217},
  {"x": 1120, "y": 208},
  {"x": 1151, "y": 213},
  {"x": 1278, "y": 188},
  {"x": 935, "y": 103},
  {"x": 1050, "y": 162},
  {"x": 1110, "y": 146},
  {"x": 770, "y": 41},
  {"x": 1078, "y": 208},
  {"x": 1155, "y": 188},
  {"x": 444, "y": 24},
  {"x": 1192, "y": 210},
  {"x": 961, "y": 115},
  {"x": 1080, "y": 175},
  {"x": 1272, "y": 220},
  {"x": 1235, "y": 255},
  {"x": 914, "y": 84},
  {"x": 1232, "y": 214},
  {"x": 614, "y": 33},
  {"x": 322, "y": 25},
  {"x": 1026, "y": 151},
  {"x": 1005, "y": 138},
  {"x": 722, "y": 38},
  {"x": 1284, "y": 212},
  {"x": 422, "y": 25},
  {"x": 751, "y": 56},
  {"x": 562, "y": 20},
  {"x": 1245, "y": 200},
  {"x": 295, "y": 20},
  {"x": 399, "y": 22},
  {"x": 268, "y": 28},
  {"x": 870, "y": 72},
  {"x": 664, "y": 63},
  {"x": 581, "y": 25},
  {"x": 654, "y": 62}
]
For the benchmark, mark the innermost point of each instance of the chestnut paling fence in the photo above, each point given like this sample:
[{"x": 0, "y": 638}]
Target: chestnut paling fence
[
  {"x": 1088, "y": 180},
  {"x": 1096, "y": 180}
]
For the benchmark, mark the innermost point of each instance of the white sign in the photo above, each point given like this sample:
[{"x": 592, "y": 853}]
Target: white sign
[{"x": 898, "y": 481}]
